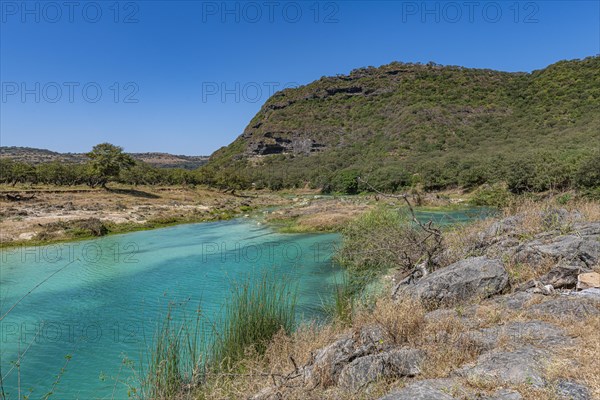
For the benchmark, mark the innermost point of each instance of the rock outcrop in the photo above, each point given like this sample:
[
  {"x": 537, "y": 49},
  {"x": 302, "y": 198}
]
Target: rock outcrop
[
  {"x": 425, "y": 390},
  {"x": 573, "y": 391},
  {"x": 533, "y": 332},
  {"x": 329, "y": 362},
  {"x": 507, "y": 355},
  {"x": 568, "y": 242},
  {"x": 446, "y": 389},
  {"x": 472, "y": 278},
  {"x": 392, "y": 364},
  {"x": 521, "y": 366}
]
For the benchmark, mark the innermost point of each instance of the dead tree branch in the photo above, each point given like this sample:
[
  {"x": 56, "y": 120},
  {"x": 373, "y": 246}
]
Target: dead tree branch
[{"x": 430, "y": 246}]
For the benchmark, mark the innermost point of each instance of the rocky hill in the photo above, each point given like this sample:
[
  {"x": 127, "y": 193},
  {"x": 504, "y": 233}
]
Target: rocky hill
[
  {"x": 447, "y": 125},
  {"x": 161, "y": 160}
]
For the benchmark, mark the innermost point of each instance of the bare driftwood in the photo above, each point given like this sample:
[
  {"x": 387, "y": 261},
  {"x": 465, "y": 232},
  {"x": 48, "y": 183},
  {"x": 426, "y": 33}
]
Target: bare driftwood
[
  {"x": 18, "y": 197},
  {"x": 430, "y": 246}
]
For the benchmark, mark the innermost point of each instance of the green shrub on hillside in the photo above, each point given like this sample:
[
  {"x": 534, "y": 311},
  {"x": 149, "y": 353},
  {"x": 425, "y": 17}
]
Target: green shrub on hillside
[
  {"x": 496, "y": 195},
  {"x": 450, "y": 126},
  {"x": 587, "y": 174}
]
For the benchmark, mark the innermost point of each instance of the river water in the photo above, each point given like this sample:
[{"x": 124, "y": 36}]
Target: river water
[{"x": 100, "y": 301}]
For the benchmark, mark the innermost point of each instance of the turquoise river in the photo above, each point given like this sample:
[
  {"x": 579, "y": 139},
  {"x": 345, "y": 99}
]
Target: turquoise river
[{"x": 86, "y": 306}]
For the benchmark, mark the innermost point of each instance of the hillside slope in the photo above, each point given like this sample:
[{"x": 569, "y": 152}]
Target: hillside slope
[{"x": 404, "y": 124}]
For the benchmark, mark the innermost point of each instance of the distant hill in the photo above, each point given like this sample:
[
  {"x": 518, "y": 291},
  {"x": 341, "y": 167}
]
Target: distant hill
[
  {"x": 161, "y": 160},
  {"x": 442, "y": 126}
]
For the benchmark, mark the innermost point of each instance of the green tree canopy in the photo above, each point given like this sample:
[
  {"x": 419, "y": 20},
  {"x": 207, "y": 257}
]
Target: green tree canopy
[{"x": 107, "y": 161}]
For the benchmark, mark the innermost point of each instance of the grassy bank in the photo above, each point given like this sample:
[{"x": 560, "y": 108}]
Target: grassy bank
[
  {"x": 333, "y": 213},
  {"x": 59, "y": 214},
  {"x": 405, "y": 323},
  {"x": 186, "y": 358}
]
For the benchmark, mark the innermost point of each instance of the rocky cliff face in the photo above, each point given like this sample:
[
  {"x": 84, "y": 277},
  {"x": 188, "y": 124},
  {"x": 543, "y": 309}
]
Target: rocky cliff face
[{"x": 271, "y": 143}]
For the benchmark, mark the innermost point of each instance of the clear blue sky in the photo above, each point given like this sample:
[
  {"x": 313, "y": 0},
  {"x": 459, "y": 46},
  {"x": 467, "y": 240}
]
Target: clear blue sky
[{"x": 175, "y": 59}]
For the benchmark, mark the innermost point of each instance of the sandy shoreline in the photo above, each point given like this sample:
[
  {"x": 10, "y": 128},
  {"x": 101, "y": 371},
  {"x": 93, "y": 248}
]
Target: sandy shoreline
[
  {"x": 58, "y": 214},
  {"x": 51, "y": 213}
]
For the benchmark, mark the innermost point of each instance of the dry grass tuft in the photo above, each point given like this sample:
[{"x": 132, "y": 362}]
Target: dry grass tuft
[
  {"x": 282, "y": 356},
  {"x": 300, "y": 346},
  {"x": 579, "y": 362},
  {"x": 403, "y": 321},
  {"x": 447, "y": 347},
  {"x": 406, "y": 324},
  {"x": 520, "y": 272}
]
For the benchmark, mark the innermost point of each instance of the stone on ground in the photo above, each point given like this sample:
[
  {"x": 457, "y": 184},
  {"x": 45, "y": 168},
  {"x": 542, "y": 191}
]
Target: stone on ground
[
  {"x": 476, "y": 277},
  {"x": 393, "y": 364},
  {"x": 521, "y": 366}
]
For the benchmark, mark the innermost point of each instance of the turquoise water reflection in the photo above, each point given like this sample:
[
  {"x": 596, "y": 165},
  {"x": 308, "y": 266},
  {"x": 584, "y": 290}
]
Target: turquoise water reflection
[
  {"x": 105, "y": 303},
  {"x": 107, "y": 296}
]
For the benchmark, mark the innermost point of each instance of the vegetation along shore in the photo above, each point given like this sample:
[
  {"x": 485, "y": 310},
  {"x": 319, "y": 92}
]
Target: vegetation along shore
[{"x": 504, "y": 307}]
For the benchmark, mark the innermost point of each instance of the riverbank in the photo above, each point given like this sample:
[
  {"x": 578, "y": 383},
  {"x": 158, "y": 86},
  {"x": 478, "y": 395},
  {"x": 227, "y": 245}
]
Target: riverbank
[
  {"x": 510, "y": 311},
  {"x": 31, "y": 216},
  {"x": 45, "y": 214}
]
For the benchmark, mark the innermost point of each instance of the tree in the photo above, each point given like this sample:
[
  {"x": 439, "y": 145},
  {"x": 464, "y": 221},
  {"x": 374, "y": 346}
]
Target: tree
[
  {"x": 106, "y": 162},
  {"x": 18, "y": 172},
  {"x": 588, "y": 173}
]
